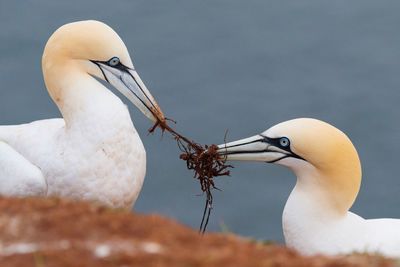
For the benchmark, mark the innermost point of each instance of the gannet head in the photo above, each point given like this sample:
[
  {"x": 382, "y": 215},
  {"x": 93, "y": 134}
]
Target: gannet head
[
  {"x": 319, "y": 154},
  {"x": 96, "y": 49}
]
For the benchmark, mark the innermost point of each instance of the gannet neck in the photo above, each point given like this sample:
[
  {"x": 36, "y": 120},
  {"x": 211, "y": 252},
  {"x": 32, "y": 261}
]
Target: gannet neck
[
  {"x": 316, "y": 217},
  {"x": 333, "y": 186},
  {"x": 79, "y": 97},
  {"x": 342, "y": 181}
]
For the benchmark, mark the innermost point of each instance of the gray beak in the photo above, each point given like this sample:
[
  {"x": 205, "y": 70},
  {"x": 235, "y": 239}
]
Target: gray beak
[
  {"x": 256, "y": 148},
  {"x": 128, "y": 82}
]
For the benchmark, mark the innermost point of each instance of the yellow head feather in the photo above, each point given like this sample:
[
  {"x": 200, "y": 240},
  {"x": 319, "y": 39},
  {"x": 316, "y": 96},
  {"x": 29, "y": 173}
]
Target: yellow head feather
[
  {"x": 330, "y": 152},
  {"x": 70, "y": 48}
]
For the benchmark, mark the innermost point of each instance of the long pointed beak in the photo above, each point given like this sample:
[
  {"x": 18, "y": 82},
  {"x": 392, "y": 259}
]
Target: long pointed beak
[
  {"x": 128, "y": 82},
  {"x": 255, "y": 148}
]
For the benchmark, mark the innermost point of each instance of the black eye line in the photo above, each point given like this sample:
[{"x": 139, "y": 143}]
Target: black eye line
[
  {"x": 276, "y": 142},
  {"x": 119, "y": 66}
]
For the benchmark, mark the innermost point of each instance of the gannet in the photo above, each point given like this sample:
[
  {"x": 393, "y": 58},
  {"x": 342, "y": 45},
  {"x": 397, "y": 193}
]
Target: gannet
[
  {"x": 94, "y": 152},
  {"x": 316, "y": 217}
]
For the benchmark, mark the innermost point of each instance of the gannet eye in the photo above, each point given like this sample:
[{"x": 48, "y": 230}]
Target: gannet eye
[
  {"x": 284, "y": 142},
  {"x": 114, "y": 62}
]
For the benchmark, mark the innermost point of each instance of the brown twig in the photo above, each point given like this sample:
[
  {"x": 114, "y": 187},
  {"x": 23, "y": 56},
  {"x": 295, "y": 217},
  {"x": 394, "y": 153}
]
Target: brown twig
[{"x": 203, "y": 160}]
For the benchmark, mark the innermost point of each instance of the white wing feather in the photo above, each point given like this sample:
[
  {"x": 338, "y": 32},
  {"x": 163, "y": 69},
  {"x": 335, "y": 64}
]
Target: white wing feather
[{"x": 18, "y": 176}]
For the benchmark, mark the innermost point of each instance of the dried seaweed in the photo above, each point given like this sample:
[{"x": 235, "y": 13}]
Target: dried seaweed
[{"x": 204, "y": 161}]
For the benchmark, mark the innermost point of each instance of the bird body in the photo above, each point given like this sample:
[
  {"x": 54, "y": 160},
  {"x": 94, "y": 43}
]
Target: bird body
[
  {"x": 102, "y": 158},
  {"x": 316, "y": 218},
  {"x": 94, "y": 152},
  {"x": 311, "y": 228}
]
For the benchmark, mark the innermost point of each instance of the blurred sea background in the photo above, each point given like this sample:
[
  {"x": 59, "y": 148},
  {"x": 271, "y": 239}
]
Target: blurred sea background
[{"x": 240, "y": 66}]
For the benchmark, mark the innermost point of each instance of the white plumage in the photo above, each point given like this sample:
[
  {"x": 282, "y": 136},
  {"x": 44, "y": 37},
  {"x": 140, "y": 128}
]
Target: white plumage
[
  {"x": 316, "y": 218},
  {"x": 94, "y": 152}
]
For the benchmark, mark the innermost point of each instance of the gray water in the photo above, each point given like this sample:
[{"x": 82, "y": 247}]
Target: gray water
[{"x": 237, "y": 65}]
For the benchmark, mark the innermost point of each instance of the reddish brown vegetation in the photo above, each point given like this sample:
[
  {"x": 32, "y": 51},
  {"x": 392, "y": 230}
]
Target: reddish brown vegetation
[
  {"x": 203, "y": 160},
  {"x": 51, "y": 232}
]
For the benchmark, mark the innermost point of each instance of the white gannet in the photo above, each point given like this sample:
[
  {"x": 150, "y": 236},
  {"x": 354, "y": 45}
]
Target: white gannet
[
  {"x": 316, "y": 218},
  {"x": 94, "y": 152}
]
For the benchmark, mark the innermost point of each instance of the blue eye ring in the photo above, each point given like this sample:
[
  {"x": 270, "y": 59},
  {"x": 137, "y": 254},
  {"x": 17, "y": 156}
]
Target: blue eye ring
[
  {"x": 113, "y": 62},
  {"x": 284, "y": 142}
]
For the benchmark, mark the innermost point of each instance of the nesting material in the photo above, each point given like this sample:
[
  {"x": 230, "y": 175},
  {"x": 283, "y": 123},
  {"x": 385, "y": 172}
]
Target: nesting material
[{"x": 203, "y": 160}]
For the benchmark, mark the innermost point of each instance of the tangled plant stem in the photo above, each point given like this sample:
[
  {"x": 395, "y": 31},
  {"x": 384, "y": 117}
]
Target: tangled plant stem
[{"x": 204, "y": 161}]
